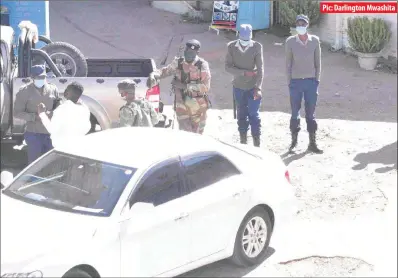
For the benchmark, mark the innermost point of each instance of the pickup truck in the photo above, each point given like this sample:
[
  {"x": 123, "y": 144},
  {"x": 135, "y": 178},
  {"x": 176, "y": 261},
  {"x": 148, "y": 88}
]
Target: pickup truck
[{"x": 100, "y": 81}]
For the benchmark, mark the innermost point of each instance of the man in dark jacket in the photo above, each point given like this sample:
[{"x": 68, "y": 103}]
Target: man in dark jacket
[{"x": 26, "y": 102}]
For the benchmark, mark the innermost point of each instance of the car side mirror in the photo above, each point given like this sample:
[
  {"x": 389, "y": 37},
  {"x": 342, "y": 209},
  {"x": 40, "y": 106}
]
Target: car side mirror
[
  {"x": 140, "y": 217},
  {"x": 6, "y": 178},
  {"x": 141, "y": 208}
]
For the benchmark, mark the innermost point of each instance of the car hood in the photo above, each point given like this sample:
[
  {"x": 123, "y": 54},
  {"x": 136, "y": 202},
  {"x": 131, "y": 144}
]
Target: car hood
[{"x": 29, "y": 231}]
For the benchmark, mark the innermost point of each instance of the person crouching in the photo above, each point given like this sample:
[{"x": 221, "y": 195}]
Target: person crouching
[{"x": 136, "y": 112}]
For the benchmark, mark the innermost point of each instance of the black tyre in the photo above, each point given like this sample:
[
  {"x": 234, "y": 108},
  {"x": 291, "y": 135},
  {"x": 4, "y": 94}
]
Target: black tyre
[
  {"x": 251, "y": 246},
  {"x": 77, "y": 273},
  {"x": 68, "y": 59}
]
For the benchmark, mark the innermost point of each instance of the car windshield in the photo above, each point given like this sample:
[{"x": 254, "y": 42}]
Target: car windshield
[{"x": 70, "y": 183}]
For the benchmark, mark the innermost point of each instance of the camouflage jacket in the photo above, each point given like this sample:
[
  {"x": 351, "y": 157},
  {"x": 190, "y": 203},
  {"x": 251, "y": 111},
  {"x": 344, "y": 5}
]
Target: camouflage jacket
[
  {"x": 138, "y": 113},
  {"x": 201, "y": 75}
]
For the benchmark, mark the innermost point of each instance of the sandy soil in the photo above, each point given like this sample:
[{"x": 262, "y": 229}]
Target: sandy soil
[{"x": 347, "y": 195}]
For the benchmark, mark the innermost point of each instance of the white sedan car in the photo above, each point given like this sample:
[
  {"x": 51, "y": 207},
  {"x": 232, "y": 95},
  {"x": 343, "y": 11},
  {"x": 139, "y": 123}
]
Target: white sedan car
[{"x": 142, "y": 202}]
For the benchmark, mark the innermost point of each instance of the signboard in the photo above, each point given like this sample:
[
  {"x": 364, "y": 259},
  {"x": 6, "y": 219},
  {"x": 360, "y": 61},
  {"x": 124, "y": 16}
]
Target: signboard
[{"x": 225, "y": 14}]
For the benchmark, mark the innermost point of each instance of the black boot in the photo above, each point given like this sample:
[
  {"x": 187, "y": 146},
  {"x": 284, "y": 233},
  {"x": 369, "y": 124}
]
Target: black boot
[
  {"x": 293, "y": 144},
  {"x": 256, "y": 141},
  {"x": 243, "y": 138},
  {"x": 312, "y": 147}
]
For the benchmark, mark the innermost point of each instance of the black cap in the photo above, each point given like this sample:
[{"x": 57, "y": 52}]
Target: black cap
[{"x": 193, "y": 44}]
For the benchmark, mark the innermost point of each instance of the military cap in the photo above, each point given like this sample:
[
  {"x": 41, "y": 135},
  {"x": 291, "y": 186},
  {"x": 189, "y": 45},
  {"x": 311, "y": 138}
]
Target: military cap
[
  {"x": 303, "y": 18},
  {"x": 127, "y": 85},
  {"x": 193, "y": 44},
  {"x": 38, "y": 70}
]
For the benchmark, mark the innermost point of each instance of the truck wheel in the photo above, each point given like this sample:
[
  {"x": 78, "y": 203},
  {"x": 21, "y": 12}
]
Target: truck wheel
[{"x": 68, "y": 59}]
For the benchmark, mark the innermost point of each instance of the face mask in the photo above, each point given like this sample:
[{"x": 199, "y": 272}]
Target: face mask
[
  {"x": 39, "y": 83},
  {"x": 189, "y": 56},
  {"x": 301, "y": 30},
  {"x": 244, "y": 43}
]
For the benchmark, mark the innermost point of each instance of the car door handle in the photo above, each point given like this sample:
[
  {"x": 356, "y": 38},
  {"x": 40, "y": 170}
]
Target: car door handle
[
  {"x": 182, "y": 216},
  {"x": 63, "y": 80},
  {"x": 100, "y": 80},
  {"x": 238, "y": 194}
]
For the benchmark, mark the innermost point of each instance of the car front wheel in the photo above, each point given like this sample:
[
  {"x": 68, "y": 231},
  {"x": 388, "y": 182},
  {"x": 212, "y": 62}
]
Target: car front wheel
[{"x": 252, "y": 239}]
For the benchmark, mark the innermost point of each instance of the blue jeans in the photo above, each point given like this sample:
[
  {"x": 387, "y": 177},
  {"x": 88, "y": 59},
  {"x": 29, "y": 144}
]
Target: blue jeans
[
  {"x": 307, "y": 88},
  {"x": 247, "y": 111},
  {"x": 38, "y": 144}
]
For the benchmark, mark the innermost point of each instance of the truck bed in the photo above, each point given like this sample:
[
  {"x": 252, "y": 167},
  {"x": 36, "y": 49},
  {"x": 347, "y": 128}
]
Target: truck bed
[
  {"x": 119, "y": 67},
  {"x": 100, "y": 86}
]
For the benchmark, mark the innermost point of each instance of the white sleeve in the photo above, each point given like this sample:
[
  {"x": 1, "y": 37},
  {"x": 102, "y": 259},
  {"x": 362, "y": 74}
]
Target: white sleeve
[
  {"x": 86, "y": 124},
  {"x": 56, "y": 124}
]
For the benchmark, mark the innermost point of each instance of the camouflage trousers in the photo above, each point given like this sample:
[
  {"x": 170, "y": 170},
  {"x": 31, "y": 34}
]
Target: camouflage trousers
[{"x": 191, "y": 114}]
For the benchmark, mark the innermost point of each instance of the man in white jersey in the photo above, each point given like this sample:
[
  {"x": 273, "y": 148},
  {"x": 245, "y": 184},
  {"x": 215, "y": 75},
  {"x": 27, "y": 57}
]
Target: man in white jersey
[{"x": 70, "y": 120}]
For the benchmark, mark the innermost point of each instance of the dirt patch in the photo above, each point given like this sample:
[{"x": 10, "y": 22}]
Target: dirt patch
[
  {"x": 327, "y": 186},
  {"x": 318, "y": 266}
]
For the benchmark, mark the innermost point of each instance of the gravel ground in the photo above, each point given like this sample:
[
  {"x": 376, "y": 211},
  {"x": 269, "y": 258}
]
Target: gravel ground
[{"x": 345, "y": 226}]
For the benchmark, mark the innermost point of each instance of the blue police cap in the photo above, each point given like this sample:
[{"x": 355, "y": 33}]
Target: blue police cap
[
  {"x": 303, "y": 18},
  {"x": 38, "y": 70}
]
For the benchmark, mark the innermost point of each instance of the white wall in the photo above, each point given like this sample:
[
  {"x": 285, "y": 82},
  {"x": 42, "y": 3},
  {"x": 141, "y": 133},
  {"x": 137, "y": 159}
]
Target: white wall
[{"x": 333, "y": 30}]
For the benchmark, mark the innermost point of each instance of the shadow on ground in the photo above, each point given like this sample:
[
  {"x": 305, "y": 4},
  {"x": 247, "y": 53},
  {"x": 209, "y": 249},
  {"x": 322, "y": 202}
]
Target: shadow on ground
[
  {"x": 387, "y": 155},
  {"x": 226, "y": 268}
]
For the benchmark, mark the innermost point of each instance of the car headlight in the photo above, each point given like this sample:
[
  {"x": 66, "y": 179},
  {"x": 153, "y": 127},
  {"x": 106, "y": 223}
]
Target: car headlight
[{"x": 33, "y": 274}]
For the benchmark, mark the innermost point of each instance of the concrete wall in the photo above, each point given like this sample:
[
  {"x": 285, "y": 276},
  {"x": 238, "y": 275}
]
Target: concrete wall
[
  {"x": 177, "y": 7},
  {"x": 333, "y": 30}
]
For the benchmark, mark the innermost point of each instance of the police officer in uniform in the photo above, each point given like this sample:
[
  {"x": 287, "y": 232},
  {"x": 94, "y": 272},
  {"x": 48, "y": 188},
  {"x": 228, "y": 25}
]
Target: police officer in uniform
[
  {"x": 27, "y": 100},
  {"x": 191, "y": 84}
]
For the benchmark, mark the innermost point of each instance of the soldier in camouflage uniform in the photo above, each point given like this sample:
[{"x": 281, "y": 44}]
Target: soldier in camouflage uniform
[
  {"x": 136, "y": 112},
  {"x": 191, "y": 84}
]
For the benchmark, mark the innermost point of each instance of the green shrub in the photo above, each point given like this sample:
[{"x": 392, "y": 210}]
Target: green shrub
[
  {"x": 290, "y": 9},
  {"x": 367, "y": 35}
]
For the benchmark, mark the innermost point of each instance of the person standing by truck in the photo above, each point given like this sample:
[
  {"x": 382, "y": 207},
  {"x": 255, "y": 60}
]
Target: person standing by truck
[
  {"x": 191, "y": 84},
  {"x": 244, "y": 61},
  {"x": 136, "y": 112},
  {"x": 27, "y": 100},
  {"x": 70, "y": 120}
]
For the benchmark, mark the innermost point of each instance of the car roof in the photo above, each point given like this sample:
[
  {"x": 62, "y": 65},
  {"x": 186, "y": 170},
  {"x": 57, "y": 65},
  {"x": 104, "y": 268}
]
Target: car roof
[{"x": 138, "y": 146}]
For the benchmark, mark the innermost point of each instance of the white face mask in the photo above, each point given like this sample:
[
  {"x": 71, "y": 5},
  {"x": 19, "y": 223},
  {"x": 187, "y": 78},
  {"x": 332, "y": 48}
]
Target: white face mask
[
  {"x": 301, "y": 30},
  {"x": 244, "y": 43},
  {"x": 39, "y": 83}
]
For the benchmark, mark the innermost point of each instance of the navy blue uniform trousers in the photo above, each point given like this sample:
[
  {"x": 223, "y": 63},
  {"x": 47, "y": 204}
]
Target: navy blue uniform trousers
[
  {"x": 307, "y": 88},
  {"x": 247, "y": 111},
  {"x": 38, "y": 144}
]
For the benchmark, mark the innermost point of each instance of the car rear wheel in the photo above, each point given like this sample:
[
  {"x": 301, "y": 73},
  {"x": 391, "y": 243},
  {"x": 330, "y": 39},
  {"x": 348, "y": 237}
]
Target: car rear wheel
[
  {"x": 253, "y": 237},
  {"x": 77, "y": 273}
]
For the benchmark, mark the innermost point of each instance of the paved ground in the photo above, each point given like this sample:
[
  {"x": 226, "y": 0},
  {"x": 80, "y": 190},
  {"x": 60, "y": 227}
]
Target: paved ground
[{"x": 347, "y": 220}]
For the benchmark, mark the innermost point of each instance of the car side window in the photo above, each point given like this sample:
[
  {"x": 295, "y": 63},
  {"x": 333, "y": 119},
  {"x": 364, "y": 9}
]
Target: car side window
[
  {"x": 162, "y": 186},
  {"x": 202, "y": 170}
]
